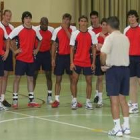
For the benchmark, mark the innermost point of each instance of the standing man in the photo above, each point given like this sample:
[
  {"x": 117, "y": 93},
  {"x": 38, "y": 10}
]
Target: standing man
[
  {"x": 8, "y": 63},
  {"x": 133, "y": 34},
  {"x": 61, "y": 54},
  {"x": 26, "y": 35},
  {"x": 98, "y": 72},
  {"x": 43, "y": 58},
  {"x": 115, "y": 55},
  {"x": 3, "y": 56},
  {"x": 96, "y": 28},
  {"x": 82, "y": 41}
]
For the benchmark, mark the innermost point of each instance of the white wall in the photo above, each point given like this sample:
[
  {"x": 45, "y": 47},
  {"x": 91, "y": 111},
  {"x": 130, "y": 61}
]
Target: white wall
[{"x": 53, "y": 9}]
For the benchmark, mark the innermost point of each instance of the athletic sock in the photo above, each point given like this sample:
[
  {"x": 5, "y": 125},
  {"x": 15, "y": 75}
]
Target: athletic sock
[
  {"x": 2, "y": 97},
  {"x": 87, "y": 100},
  {"x": 57, "y": 98},
  {"x": 126, "y": 122},
  {"x": 31, "y": 96},
  {"x": 74, "y": 100},
  {"x": 96, "y": 93},
  {"x": 15, "y": 98},
  {"x": 117, "y": 125},
  {"x": 49, "y": 92},
  {"x": 100, "y": 97}
]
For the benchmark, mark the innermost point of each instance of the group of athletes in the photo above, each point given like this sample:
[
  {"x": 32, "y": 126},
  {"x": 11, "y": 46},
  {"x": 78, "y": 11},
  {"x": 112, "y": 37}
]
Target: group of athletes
[{"x": 98, "y": 49}]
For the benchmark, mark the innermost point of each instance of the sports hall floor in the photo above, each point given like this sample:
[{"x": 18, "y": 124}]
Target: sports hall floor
[{"x": 62, "y": 123}]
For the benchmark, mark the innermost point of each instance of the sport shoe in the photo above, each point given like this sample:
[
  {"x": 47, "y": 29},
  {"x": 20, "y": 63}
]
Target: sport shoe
[
  {"x": 99, "y": 105},
  {"x": 117, "y": 133},
  {"x": 6, "y": 104},
  {"x": 89, "y": 105},
  {"x": 79, "y": 105},
  {"x": 55, "y": 104},
  {"x": 3, "y": 108},
  {"x": 133, "y": 110},
  {"x": 74, "y": 105},
  {"x": 126, "y": 131},
  {"x": 15, "y": 104},
  {"x": 49, "y": 100},
  {"x": 33, "y": 104},
  {"x": 96, "y": 99}
]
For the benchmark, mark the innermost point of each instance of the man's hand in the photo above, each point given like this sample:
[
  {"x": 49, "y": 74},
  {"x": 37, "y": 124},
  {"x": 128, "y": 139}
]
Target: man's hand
[
  {"x": 53, "y": 64},
  {"x": 4, "y": 57},
  {"x": 17, "y": 51},
  {"x": 104, "y": 68},
  {"x": 93, "y": 67},
  {"x": 35, "y": 52},
  {"x": 98, "y": 46},
  {"x": 72, "y": 67},
  {"x": 64, "y": 26}
]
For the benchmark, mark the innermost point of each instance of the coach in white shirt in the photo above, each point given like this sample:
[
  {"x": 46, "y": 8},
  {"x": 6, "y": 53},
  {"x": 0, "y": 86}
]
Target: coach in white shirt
[{"x": 115, "y": 55}]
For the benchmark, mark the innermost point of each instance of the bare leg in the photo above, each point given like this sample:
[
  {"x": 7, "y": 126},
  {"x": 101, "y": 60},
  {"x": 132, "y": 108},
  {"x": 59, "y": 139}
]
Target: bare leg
[
  {"x": 89, "y": 86},
  {"x": 133, "y": 90},
  {"x": 75, "y": 78}
]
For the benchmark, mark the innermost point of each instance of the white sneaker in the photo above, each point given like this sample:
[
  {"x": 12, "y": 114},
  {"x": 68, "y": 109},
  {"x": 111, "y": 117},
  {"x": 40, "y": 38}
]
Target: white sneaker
[
  {"x": 89, "y": 105},
  {"x": 3, "y": 108},
  {"x": 74, "y": 105},
  {"x": 99, "y": 104},
  {"x": 117, "y": 133},
  {"x": 126, "y": 130},
  {"x": 133, "y": 110},
  {"x": 49, "y": 100}
]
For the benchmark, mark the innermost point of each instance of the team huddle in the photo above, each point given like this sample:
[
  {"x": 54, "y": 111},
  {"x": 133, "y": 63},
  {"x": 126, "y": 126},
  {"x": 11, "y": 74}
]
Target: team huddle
[{"x": 99, "y": 50}]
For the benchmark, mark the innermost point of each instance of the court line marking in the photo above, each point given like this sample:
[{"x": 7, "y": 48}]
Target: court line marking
[
  {"x": 15, "y": 119},
  {"x": 69, "y": 124}
]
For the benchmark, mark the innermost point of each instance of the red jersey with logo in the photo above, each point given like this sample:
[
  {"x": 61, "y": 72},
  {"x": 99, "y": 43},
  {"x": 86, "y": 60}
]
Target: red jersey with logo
[
  {"x": 46, "y": 38},
  {"x": 26, "y": 38},
  {"x": 63, "y": 41},
  {"x": 95, "y": 30},
  {"x": 3, "y": 37},
  {"x": 133, "y": 34},
  {"x": 100, "y": 41},
  {"x": 8, "y": 29},
  {"x": 83, "y": 41}
]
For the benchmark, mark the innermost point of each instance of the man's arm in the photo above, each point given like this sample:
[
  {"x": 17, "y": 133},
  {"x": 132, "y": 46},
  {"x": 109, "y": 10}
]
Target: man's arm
[
  {"x": 38, "y": 47},
  {"x": 103, "y": 58},
  {"x": 66, "y": 30},
  {"x": 94, "y": 57},
  {"x": 7, "y": 49},
  {"x": 53, "y": 53},
  {"x": 72, "y": 66}
]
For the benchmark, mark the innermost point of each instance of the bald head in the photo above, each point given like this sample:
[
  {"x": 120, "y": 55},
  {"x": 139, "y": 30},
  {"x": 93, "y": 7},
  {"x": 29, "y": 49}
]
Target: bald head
[{"x": 44, "y": 23}]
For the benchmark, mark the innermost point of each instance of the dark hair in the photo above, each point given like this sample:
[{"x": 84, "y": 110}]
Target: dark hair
[
  {"x": 133, "y": 12},
  {"x": 66, "y": 15},
  {"x": 113, "y": 22},
  {"x": 94, "y": 13},
  {"x": 26, "y": 14},
  {"x": 44, "y": 20},
  {"x": 7, "y": 10},
  {"x": 104, "y": 20},
  {"x": 83, "y": 16}
]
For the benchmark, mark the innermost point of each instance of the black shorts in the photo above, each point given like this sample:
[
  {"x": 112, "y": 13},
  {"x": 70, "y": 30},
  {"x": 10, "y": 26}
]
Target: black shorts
[
  {"x": 62, "y": 64},
  {"x": 24, "y": 68},
  {"x": 98, "y": 71},
  {"x": 8, "y": 63},
  {"x": 134, "y": 66},
  {"x": 117, "y": 81},
  {"x": 86, "y": 70},
  {"x": 1, "y": 67},
  {"x": 43, "y": 59}
]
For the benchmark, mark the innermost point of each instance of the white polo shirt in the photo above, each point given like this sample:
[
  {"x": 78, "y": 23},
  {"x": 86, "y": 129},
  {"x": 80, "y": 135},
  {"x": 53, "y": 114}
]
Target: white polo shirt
[{"x": 116, "y": 46}]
